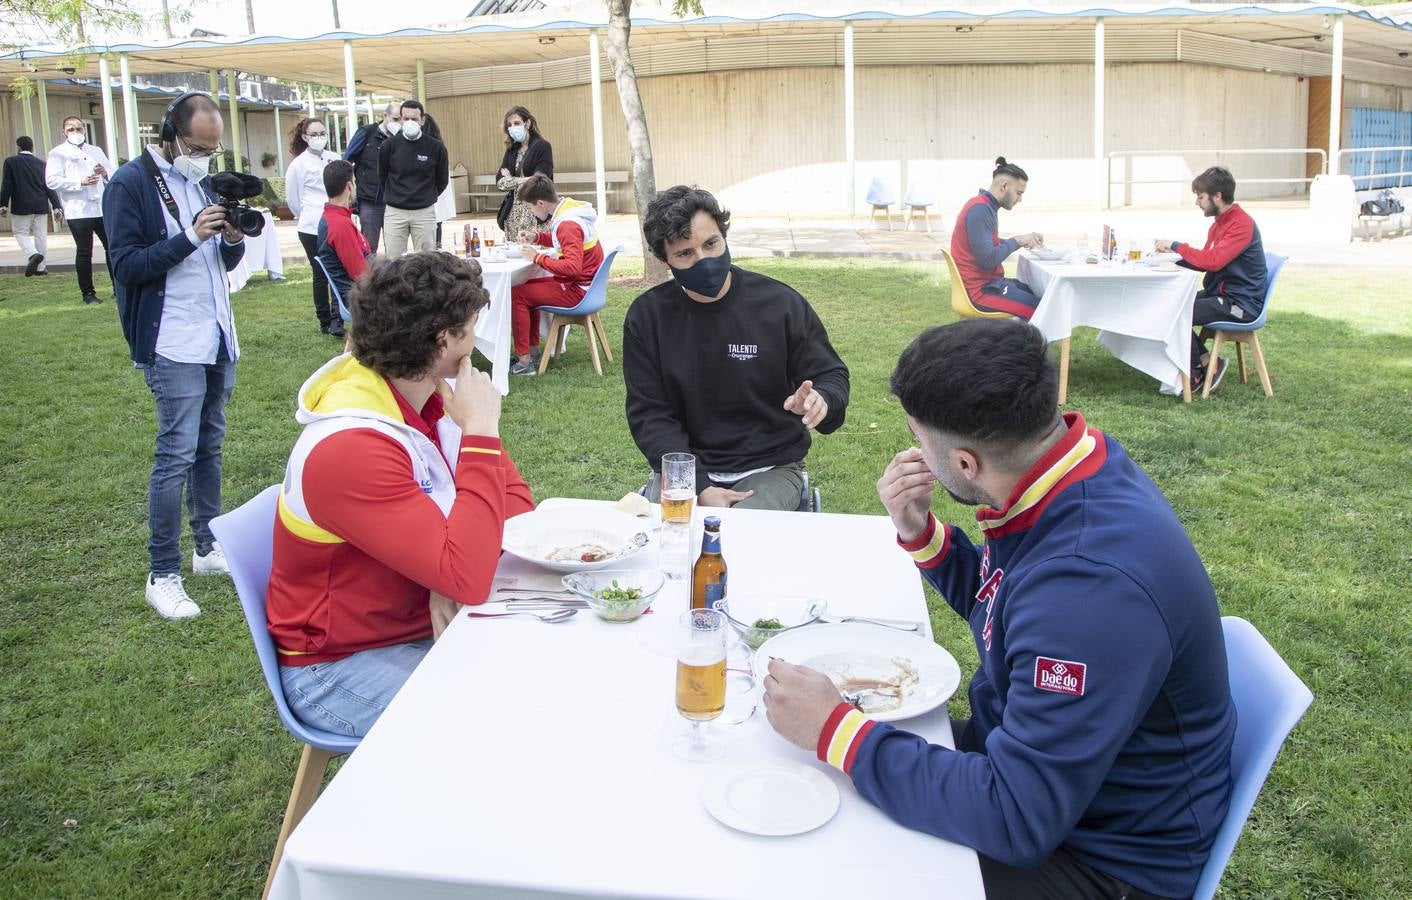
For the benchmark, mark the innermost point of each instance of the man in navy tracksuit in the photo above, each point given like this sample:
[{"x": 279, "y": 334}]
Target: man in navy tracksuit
[
  {"x": 1233, "y": 260},
  {"x": 980, "y": 254},
  {"x": 1097, "y": 761}
]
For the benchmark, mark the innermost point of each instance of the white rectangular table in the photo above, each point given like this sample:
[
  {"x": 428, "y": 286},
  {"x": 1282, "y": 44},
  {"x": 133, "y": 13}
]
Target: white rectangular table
[
  {"x": 1143, "y": 313},
  {"x": 262, "y": 251},
  {"x": 531, "y": 760},
  {"x": 493, "y": 335}
]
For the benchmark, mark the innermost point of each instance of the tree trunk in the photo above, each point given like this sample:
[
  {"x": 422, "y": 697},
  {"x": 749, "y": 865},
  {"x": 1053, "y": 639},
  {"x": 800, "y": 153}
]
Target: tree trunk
[
  {"x": 644, "y": 182},
  {"x": 337, "y": 26},
  {"x": 250, "y": 16},
  {"x": 167, "y": 19}
]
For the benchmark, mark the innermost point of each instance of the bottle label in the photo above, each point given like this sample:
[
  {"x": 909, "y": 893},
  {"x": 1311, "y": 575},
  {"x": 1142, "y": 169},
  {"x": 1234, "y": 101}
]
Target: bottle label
[
  {"x": 716, "y": 594},
  {"x": 710, "y": 542}
]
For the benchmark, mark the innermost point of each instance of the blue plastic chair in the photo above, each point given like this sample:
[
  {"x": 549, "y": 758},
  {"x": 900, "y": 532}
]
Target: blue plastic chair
[
  {"x": 343, "y": 312},
  {"x": 881, "y": 195},
  {"x": 247, "y": 537},
  {"x": 1242, "y": 333},
  {"x": 584, "y": 313},
  {"x": 1269, "y": 699}
]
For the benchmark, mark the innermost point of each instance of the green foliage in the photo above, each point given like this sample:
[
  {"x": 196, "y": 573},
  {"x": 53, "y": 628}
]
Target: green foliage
[{"x": 143, "y": 758}]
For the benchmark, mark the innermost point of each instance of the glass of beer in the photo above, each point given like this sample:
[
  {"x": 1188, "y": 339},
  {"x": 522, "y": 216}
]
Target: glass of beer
[
  {"x": 701, "y": 681},
  {"x": 1134, "y": 254},
  {"x": 678, "y": 498}
]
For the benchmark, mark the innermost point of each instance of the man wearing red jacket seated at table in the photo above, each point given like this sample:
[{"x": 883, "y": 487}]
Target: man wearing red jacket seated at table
[
  {"x": 394, "y": 498},
  {"x": 1233, "y": 260},
  {"x": 572, "y": 232}
]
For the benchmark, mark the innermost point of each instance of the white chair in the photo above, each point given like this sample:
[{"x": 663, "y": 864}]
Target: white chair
[
  {"x": 881, "y": 196},
  {"x": 919, "y": 198}
]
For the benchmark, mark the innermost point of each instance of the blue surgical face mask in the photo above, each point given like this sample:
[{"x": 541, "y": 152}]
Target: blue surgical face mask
[
  {"x": 517, "y": 133},
  {"x": 707, "y": 277}
]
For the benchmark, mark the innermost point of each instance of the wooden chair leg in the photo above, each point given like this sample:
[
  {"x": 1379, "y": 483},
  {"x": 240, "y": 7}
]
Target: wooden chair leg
[
  {"x": 927, "y": 217},
  {"x": 1186, "y": 388},
  {"x": 1064, "y": 371},
  {"x": 313, "y": 762},
  {"x": 550, "y": 348},
  {"x": 602, "y": 336},
  {"x": 1212, "y": 364},
  {"x": 1240, "y": 357},
  {"x": 1260, "y": 364},
  {"x": 888, "y": 209},
  {"x": 593, "y": 346}
]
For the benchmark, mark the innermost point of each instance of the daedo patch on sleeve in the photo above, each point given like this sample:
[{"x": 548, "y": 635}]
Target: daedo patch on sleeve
[{"x": 1061, "y": 676}]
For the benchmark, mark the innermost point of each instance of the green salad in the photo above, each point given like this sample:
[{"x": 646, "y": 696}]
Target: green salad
[
  {"x": 759, "y": 631},
  {"x": 615, "y": 594}
]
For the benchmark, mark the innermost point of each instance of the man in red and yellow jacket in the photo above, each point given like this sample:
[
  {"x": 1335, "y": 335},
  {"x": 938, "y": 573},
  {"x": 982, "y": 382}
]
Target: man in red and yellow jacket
[
  {"x": 1233, "y": 260},
  {"x": 573, "y": 233},
  {"x": 394, "y": 499}
]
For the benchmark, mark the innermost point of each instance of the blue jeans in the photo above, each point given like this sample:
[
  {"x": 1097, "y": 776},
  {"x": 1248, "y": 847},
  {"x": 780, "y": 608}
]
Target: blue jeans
[
  {"x": 191, "y": 424},
  {"x": 347, "y": 696}
]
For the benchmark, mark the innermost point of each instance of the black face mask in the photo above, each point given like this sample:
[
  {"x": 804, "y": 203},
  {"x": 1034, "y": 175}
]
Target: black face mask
[
  {"x": 540, "y": 220},
  {"x": 707, "y": 277}
]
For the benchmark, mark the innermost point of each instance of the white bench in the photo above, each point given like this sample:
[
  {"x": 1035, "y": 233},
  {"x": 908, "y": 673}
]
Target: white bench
[{"x": 483, "y": 186}]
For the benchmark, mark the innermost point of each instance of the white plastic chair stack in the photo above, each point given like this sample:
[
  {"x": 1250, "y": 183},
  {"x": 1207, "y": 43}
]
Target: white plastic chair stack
[
  {"x": 881, "y": 196},
  {"x": 918, "y": 199}
]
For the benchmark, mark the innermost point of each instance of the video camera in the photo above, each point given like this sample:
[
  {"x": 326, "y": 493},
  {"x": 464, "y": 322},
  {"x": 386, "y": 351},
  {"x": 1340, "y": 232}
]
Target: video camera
[{"x": 234, "y": 187}]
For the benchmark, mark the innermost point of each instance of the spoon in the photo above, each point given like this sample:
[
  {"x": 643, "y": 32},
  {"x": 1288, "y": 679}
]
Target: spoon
[{"x": 559, "y": 615}]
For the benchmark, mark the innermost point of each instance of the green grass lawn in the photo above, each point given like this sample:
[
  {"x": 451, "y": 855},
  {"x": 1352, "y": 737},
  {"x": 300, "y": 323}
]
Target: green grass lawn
[{"x": 142, "y": 757}]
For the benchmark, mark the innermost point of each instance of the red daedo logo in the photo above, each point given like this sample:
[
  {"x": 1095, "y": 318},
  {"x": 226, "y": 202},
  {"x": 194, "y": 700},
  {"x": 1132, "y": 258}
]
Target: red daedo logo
[{"x": 1059, "y": 675}]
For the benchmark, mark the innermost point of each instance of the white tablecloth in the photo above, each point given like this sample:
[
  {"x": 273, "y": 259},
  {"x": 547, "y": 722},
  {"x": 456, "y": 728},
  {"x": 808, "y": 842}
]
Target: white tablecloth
[
  {"x": 493, "y": 337},
  {"x": 1144, "y": 313},
  {"x": 261, "y": 252},
  {"x": 532, "y": 760}
]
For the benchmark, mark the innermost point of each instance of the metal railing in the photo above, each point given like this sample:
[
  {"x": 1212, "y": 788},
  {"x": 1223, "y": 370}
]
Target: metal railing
[
  {"x": 1127, "y": 181},
  {"x": 1403, "y": 176}
]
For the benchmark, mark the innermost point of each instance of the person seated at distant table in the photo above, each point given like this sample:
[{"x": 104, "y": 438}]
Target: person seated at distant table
[
  {"x": 726, "y": 364},
  {"x": 1234, "y": 262},
  {"x": 342, "y": 247},
  {"x": 980, "y": 254},
  {"x": 395, "y": 496},
  {"x": 1096, "y": 763}
]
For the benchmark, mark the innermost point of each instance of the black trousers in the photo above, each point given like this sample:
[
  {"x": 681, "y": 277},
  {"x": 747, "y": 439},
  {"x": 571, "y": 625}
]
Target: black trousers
[
  {"x": 1207, "y": 309},
  {"x": 327, "y": 316},
  {"x": 1060, "y": 877},
  {"x": 83, "y": 231},
  {"x": 370, "y": 221}
]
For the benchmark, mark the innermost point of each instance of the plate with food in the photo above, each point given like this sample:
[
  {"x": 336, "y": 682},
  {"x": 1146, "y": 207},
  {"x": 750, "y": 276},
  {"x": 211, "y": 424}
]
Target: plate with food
[
  {"x": 888, "y": 674},
  {"x": 1048, "y": 254},
  {"x": 574, "y": 540}
]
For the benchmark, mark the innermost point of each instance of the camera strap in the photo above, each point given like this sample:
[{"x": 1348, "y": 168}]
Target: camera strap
[{"x": 167, "y": 199}]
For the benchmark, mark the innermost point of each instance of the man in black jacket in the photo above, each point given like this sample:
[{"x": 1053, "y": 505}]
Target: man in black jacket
[
  {"x": 729, "y": 365},
  {"x": 28, "y": 200},
  {"x": 362, "y": 152},
  {"x": 414, "y": 173}
]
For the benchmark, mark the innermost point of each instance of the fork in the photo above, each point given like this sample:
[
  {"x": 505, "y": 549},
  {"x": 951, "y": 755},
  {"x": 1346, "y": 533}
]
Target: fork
[{"x": 559, "y": 615}]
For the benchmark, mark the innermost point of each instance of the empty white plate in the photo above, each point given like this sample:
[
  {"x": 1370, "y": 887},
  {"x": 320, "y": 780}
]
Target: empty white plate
[{"x": 770, "y": 796}]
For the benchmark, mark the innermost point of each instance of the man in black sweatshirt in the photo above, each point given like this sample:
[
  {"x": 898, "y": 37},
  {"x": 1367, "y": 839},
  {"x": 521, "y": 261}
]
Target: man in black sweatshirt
[
  {"x": 414, "y": 173},
  {"x": 729, "y": 365}
]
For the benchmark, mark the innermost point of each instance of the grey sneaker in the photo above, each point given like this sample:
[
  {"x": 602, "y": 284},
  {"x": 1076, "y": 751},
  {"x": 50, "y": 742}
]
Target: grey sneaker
[
  {"x": 524, "y": 368},
  {"x": 1220, "y": 373}
]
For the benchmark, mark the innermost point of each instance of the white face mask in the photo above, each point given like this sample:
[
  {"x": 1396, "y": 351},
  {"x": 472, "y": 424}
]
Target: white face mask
[
  {"x": 392, "y": 127},
  {"x": 318, "y": 142},
  {"x": 192, "y": 168},
  {"x": 412, "y": 130},
  {"x": 75, "y": 137}
]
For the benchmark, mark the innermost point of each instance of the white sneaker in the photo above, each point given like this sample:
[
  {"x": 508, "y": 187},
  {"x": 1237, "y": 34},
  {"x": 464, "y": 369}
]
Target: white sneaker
[
  {"x": 213, "y": 563},
  {"x": 166, "y": 595}
]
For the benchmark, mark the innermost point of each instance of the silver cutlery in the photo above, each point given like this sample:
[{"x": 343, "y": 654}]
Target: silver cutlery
[
  {"x": 545, "y": 603},
  {"x": 559, "y": 615},
  {"x": 899, "y": 624}
]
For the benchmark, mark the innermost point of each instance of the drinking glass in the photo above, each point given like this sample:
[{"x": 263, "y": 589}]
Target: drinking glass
[
  {"x": 701, "y": 681},
  {"x": 678, "y": 498},
  {"x": 1082, "y": 245}
]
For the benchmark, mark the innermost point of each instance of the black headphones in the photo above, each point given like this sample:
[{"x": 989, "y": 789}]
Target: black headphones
[{"x": 168, "y": 129}]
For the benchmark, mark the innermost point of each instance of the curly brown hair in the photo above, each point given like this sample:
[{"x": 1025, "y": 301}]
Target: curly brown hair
[{"x": 401, "y": 307}]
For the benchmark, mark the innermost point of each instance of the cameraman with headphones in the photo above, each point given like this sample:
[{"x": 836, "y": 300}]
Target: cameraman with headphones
[{"x": 171, "y": 247}]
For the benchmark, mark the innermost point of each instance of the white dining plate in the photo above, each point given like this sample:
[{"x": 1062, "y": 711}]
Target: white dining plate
[
  {"x": 556, "y": 539},
  {"x": 1048, "y": 253},
  {"x": 770, "y": 796},
  {"x": 853, "y": 654}
]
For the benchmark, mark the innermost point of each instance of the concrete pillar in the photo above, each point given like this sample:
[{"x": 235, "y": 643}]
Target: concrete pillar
[
  {"x": 421, "y": 81},
  {"x": 110, "y": 133},
  {"x": 233, "y": 98},
  {"x": 1100, "y": 163},
  {"x": 279, "y": 143},
  {"x": 595, "y": 86},
  {"x": 1336, "y": 96},
  {"x": 849, "y": 123},
  {"x": 129, "y": 106},
  {"x": 28, "y": 114},
  {"x": 40, "y": 133},
  {"x": 350, "y": 89}
]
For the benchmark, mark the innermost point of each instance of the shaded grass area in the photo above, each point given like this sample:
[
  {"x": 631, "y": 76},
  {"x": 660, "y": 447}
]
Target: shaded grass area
[{"x": 141, "y": 757}]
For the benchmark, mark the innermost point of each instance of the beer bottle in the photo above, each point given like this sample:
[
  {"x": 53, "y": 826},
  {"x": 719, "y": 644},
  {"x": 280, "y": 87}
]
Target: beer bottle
[
  {"x": 475, "y": 242},
  {"x": 708, "y": 578}
]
